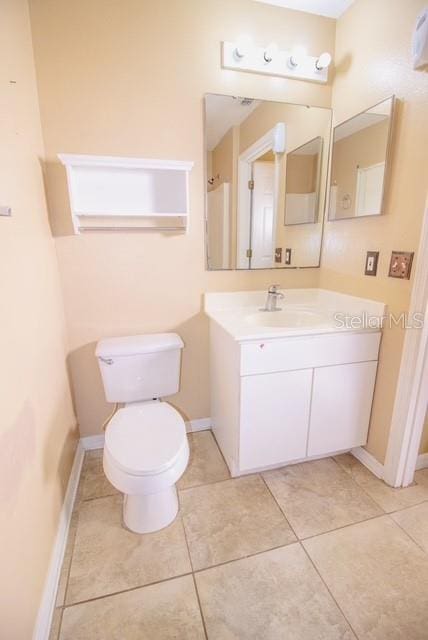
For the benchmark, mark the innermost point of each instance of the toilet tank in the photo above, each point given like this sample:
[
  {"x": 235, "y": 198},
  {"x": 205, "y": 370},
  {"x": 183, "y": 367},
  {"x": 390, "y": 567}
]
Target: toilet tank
[{"x": 136, "y": 368}]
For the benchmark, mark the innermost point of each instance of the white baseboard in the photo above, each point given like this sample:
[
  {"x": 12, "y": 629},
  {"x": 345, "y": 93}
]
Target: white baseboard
[
  {"x": 93, "y": 442},
  {"x": 422, "y": 461},
  {"x": 368, "y": 461},
  {"x": 47, "y": 605},
  {"x": 97, "y": 442},
  {"x": 201, "y": 424}
]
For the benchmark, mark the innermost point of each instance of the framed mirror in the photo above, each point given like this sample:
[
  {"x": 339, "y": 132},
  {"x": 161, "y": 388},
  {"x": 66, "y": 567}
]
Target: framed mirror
[
  {"x": 360, "y": 163},
  {"x": 266, "y": 182}
]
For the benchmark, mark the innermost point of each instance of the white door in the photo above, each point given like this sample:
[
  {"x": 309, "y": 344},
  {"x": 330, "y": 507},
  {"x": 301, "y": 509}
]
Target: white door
[
  {"x": 274, "y": 418},
  {"x": 262, "y": 216},
  {"x": 369, "y": 190},
  {"x": 341, "y": 405},
  {"x": 218, "y": 221}
]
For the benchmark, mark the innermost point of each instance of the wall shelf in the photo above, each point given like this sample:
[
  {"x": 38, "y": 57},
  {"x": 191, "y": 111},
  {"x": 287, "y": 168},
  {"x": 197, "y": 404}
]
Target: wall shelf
[{"x": 109, "y": 193}]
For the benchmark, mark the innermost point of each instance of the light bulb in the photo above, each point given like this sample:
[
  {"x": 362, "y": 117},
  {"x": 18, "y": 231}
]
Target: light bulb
[
  {"x": 323, "y": 61},
  {"x": 296, "y": 57},
  {"x": 270, "y": 52},
  {"x": 242, "y": 48}
]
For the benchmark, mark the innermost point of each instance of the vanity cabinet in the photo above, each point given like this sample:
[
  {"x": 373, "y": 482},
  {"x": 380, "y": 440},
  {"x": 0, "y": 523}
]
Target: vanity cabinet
[{"x": 283, "y": 400}]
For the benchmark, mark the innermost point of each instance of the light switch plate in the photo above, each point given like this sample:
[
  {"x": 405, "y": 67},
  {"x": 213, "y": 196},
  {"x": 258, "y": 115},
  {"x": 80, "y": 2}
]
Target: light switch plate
[
  {"x": 278, "y": 254},
  {"x": 372, "y": 259},
  {"x": 401, "y": 264},
  {"x": 5, "y": 210},
  {"x": 287, "y": 256}
]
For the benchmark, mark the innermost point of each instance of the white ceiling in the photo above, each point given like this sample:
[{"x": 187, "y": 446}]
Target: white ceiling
[
  {"x": 223, "y": 112},
  {"x": 329, "y": 8}
]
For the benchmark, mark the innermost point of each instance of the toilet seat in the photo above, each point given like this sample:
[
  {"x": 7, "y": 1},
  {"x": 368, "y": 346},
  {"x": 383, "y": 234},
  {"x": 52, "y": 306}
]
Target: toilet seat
[{"x": 145, "y": 439}]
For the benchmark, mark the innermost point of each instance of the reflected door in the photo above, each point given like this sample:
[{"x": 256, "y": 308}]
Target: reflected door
[{"x": 262, "y": 216}]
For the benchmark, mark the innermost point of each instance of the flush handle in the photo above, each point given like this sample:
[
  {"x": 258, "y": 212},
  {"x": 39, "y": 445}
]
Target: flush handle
[{"x": 106, "y": 360}]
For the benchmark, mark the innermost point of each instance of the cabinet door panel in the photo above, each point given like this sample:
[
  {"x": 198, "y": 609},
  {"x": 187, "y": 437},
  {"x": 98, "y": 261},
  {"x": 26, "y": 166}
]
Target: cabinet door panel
[
  {"x": 274, "y": 418},
  {"x": 341, "y": 404}
]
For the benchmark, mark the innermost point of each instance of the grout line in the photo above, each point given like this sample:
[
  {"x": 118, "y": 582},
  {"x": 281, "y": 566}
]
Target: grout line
[
  {"x": 328, "y": 589},
  {"x": 116, "y": 593},
  {"x": 408, "y": 534}
]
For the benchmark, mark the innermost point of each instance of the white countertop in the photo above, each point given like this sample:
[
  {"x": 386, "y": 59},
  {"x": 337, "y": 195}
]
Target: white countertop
[{"x": 303, "y": 312}]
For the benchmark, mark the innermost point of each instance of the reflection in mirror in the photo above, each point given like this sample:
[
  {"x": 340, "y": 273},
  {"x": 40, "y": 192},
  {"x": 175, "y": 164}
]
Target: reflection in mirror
[
  {"x": 302, "y": 183},
  {"x": 360, "y": 163},
  {"x": 266, "y": 183}
]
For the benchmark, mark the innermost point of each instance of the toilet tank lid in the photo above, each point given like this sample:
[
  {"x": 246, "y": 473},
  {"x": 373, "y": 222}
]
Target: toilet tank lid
[{"x": 134, "y": 345}]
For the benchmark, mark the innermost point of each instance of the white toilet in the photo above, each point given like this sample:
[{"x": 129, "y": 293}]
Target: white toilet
[{"x": 146, "y": 449}]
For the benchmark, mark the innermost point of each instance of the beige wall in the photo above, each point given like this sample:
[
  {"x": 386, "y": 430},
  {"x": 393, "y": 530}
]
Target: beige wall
[
  {"x": 37, "y": 426},
  {"x": 128, "y": 78},
  {"x": 364, "y": 148},
  {"x": 373, "y": 62}
]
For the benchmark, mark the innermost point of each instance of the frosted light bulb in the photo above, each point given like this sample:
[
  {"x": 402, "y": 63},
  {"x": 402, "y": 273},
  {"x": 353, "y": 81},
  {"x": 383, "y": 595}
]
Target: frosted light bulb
[
  {"x": 270, "y": 52},
  {"x": 323, "y": 61},
  {"x": 296, "y": 57},
  {"x": 242, "y": 48}
]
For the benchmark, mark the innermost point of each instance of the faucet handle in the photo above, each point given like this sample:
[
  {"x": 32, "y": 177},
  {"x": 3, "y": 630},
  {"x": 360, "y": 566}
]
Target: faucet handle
[{"x": 273, "y": 288}]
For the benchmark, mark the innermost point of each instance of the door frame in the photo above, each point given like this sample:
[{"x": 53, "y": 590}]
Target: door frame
[
  {"x": 275, "y": 141},
  {"x": 411, "y": 398}
]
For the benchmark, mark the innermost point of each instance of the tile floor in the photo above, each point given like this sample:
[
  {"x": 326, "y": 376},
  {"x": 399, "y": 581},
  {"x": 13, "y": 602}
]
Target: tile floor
[{"x": 320, "y": 550}]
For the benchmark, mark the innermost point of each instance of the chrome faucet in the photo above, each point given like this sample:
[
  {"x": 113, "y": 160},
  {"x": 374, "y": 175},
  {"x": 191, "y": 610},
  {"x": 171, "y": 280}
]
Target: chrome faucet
[{"x": 273, "y": 296}]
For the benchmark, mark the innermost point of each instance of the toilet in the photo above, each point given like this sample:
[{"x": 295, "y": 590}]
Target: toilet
[{"x": 146, "y": 449}]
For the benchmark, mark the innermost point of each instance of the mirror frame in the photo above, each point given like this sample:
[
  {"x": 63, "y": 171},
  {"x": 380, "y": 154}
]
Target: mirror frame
[{"x": 388, "y": 160}]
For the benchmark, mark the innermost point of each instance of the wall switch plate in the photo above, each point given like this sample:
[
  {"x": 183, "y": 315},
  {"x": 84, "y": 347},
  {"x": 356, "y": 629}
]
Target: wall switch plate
[
  {"x": 372, "y": 259},
  {"x": 401, "y": 264},
  {"x": 278, "y": 254},
  {"x": 287, "y": 256}
]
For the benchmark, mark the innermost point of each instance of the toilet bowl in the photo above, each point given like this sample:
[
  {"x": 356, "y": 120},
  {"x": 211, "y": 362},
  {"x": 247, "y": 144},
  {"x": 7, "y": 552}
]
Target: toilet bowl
[
  {"x": 146, "y": 448},
  {"x": 145, "y": 452}
]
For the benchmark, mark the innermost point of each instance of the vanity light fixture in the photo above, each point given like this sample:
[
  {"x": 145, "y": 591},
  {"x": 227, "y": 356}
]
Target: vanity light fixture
[
  {"x": 242, "y": 55},
  {"x": 323, "y": 61}
]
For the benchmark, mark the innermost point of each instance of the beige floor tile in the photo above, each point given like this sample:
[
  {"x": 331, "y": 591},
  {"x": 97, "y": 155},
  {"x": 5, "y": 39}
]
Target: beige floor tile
[
  {"x": 164, "y": 611},
  {"x": 108, "y": 558},
  {"x": 232, "y": 519},
  {"x": 206, "y": 463},
  {"x": 272, "y": 596},
  {"x": 379, "y": 578},
  {"x": 388, "y": 498},
  {"x": 414, "y": 520},
  {"x": 319, "y": 496},
  {"x": 94, "y": 481}
]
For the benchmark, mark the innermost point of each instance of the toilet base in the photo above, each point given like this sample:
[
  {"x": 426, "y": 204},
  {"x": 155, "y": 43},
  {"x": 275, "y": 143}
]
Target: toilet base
[{"x": 148, "y": 513}]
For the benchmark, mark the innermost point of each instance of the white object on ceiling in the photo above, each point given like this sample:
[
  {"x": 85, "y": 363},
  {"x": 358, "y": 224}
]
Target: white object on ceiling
[
  {"x": 420, "y": 41},
  {"x": 224, "y": 112},
  {"x": 329, "y": 8}
]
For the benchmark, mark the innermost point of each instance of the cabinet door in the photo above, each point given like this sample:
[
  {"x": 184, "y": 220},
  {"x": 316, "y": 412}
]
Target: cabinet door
[
  {"x": 341, "y": 404},
  {"x": 274, "y": 418}
]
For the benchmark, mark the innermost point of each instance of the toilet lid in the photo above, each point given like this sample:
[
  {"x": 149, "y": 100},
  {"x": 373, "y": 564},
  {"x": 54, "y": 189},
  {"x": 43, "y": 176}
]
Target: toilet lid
[{"x": 145, "y": 438}]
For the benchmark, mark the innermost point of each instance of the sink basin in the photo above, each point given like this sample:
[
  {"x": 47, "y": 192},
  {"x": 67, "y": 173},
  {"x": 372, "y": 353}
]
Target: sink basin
[{"x": 290, "y": 318}]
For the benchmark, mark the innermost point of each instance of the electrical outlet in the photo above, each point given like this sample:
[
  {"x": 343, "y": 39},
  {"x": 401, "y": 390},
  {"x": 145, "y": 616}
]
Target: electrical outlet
[
  {"x": 278, "y": 254},
  {"x": 287, "y": 256},
  {"x": 372, "y": 259},
  {"x": 401, "y": 264},
  {"x": 5, "y": 210}
]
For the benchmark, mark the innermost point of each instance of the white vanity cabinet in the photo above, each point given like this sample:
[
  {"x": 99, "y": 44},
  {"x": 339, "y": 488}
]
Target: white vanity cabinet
[{"x": 280, "y": 400}]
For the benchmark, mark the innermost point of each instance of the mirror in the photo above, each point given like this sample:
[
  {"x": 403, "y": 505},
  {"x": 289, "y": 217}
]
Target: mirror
[
  {"x": 360, "y": 163},
  {"x": 266, "y": 182}
]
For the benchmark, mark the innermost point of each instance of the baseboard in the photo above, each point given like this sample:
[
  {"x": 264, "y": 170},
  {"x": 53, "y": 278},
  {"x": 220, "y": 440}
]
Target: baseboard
[
  {"x": 47, "y": 605},
  {"x": 201, "y": 424},
  {"x": 97, "y": 442},
  {"x": 422, "y": 461},
  {"x": 368, "y": 461},
  {"x": 93, "y": 442}
]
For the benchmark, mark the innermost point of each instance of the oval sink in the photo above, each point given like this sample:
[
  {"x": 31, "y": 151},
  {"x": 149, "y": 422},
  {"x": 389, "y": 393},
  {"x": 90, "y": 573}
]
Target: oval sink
[{"x": 290, "y": 318}]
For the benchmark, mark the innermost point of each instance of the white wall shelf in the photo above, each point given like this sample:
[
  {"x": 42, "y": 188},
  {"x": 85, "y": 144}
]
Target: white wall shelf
[{"x": 110, "y": 193}]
